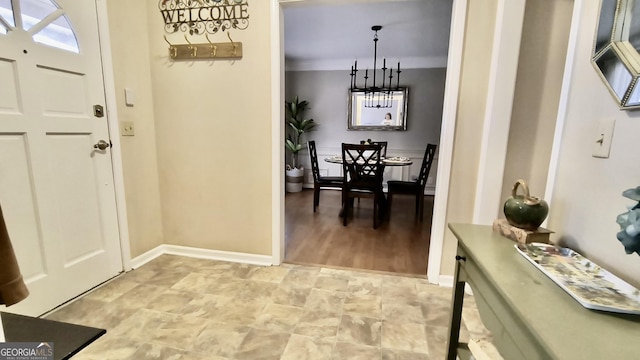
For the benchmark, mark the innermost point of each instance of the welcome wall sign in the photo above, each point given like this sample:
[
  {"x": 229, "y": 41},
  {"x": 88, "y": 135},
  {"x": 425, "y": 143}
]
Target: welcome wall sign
[{"x": 204, "y": 16}]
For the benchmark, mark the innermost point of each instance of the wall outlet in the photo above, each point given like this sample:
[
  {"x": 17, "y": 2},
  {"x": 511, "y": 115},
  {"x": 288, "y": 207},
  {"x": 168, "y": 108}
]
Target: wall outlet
[
  {"x": 602, "y": 138},
  {"x": 126, "y": 128}
]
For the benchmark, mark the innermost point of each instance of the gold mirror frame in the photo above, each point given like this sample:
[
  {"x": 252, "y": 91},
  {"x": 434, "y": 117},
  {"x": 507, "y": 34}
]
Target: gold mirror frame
[{"x": 615, "y": 51}]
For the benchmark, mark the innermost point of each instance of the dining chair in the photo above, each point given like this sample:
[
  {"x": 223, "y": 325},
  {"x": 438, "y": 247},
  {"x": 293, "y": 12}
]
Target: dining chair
[
  {"x": 362, "y": 171},
  {"x": 320, "y": 182},
  {"x": 415, "y": 188},
  {"x": 383, "y": 153}
]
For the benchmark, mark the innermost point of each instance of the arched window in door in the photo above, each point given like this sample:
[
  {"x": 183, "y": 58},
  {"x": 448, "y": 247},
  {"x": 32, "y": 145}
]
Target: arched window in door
[{"x": 44, "y": 20}]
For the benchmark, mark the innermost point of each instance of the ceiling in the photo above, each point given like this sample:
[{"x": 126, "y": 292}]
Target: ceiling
[{"x": 330, "y": 36}]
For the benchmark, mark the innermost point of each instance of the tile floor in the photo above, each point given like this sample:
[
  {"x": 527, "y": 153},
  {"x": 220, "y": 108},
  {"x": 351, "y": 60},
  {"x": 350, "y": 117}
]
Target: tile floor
[{"x": 183, "y": 308}]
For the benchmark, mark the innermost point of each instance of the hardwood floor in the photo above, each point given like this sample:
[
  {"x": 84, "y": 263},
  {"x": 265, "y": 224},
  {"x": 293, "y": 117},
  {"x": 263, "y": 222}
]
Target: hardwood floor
[{"x": 400, "y": 245}]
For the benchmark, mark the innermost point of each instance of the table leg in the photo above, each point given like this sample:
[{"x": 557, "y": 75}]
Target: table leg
[{"x": 456, "y": 312}]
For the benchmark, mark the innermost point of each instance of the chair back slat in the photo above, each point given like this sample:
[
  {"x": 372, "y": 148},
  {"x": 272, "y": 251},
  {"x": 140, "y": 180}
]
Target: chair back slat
[
  {"x": 314, "y": 160},
  {"x": 426, "y": 164}
]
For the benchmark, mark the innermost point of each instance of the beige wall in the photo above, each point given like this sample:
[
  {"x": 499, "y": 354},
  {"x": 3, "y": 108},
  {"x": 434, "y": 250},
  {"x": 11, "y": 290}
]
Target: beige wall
[
  {"x": 129, "y": 44},
  {"x": 476, "y": 62},
  {"x": 587, "y": 195},
  {"x": 541, "y": 64},
  {"x": 213, "y": 135}
]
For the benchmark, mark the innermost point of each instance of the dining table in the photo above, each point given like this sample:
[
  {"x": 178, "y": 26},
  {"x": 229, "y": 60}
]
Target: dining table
[{"x": 386, "y": 161}]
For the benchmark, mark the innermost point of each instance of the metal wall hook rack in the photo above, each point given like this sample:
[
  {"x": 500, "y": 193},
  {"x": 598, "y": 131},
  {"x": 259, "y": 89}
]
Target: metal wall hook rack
[{"x": 209, "y": 50}]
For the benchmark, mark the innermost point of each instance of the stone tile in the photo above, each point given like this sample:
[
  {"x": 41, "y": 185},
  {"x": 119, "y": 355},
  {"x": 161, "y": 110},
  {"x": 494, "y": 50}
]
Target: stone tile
[
  {"x": 399, "y": 290},
  {"x": 360, "y": 330},
  {"x": 220, "y": 339},
  {"x": 239, "y": 312},
  {"x": 392, "y": 354},
  {"x": 365, "y": 286},
  {"x": 438, "y": 337},
  {"x": 109, "y": 347},
  {"x": 273, "y": 274},
  {"x": 109, "y": 316},
  {"x": 153, "y": 351},
  {"x": 318, "y": 324},
  {"x": 278, "y": 318},
  {"x": 327, "y": 301},
  {"x": 111, "y": 290},
  {"x": 229, "y": 286},
  {"x": 203, "y": 305},
  {"x": 307, "y": 348},
  {"x": 172, "y": 301},
  {"x": 397, "y": 311},
  {"x": 162, "y": 328},
  {"x": 364, "y": 305},
  {"x": 228, "y": 269},
  {"x": 431, "y": 292},
  {"x": 262, "y": 345},
  {"x": 339, "y": 272},
  {"x": 348, "y": 351},
  {"x": 256, "y": 290},
  {"x": 193, "y": 282},
  {"x": 78, "y": 312},
  {"x": 285, "y": 295},
  {"x": 182, "y": 308},
  {"x": 140, "y": 275},
  {"x": 296, "y": 278},
  {"x": 331, "y": 283},
  {"x": 177, "y": 331},
  {"x": 409, "y": 337},
  {"x": 436, "y": 313}
]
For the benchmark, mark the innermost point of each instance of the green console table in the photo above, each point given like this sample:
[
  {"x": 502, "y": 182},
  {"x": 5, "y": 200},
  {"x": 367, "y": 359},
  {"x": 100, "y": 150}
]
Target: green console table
[{"x": 529, "y": 316}]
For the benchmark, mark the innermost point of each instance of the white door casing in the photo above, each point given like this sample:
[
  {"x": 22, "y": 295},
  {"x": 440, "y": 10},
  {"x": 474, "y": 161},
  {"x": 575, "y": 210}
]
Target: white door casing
[{"x": 56, "y": 189}]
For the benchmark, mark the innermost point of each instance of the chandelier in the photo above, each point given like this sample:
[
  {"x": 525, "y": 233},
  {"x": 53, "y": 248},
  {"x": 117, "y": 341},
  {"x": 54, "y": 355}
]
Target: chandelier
[{"x": 376, "y": 96}]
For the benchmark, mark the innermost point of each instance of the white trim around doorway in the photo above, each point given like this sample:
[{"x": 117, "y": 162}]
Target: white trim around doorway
[
  {"x": 114, "y": 132},
  {"x": 445, "y": 152},
  {"x": 447, "y": 135}
]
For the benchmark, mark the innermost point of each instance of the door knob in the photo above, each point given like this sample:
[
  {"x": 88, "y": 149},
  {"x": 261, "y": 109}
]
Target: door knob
[{"x": 101, "y": 145}]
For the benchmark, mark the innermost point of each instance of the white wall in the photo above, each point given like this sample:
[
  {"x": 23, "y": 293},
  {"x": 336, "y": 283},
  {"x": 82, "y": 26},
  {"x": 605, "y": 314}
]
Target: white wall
[{"x": 587, "y": 193}]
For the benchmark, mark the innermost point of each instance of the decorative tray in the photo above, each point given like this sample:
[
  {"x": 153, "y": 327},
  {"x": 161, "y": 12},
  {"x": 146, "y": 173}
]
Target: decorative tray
[{"x": 592, "y": 286}]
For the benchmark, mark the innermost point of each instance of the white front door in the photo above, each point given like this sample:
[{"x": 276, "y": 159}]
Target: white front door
[{"x": 56, "y": 189}]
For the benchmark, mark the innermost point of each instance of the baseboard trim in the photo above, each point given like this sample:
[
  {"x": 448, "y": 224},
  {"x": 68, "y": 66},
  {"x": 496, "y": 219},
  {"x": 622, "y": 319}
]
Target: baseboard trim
[{"x": 243, "y": 258}]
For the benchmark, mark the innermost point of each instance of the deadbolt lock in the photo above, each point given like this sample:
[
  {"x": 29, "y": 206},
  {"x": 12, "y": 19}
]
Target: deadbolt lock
[{"x": 98, "y": 111}]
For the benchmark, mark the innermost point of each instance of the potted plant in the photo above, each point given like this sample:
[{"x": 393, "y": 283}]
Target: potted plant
[{"x": 297, "y": 126}]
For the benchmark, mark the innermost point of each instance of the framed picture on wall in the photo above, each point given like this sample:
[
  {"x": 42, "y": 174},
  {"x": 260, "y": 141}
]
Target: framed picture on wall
[{"x": 384, "y": 110}]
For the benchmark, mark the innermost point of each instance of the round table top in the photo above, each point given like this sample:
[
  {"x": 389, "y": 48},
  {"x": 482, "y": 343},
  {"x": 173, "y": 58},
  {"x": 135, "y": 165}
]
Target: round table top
[{"x": 390, "y": 161}]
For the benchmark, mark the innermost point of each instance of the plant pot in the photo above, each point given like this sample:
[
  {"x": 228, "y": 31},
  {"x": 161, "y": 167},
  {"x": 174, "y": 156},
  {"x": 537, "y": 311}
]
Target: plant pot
[{"x": 294, "y": 179}]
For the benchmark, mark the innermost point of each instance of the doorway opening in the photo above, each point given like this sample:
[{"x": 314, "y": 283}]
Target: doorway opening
[{"x": 320, "y": 238}]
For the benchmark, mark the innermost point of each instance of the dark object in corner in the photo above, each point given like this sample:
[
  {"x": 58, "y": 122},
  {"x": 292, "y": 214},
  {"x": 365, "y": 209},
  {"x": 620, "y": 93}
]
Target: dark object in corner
[{"x": 12, "y": 287}]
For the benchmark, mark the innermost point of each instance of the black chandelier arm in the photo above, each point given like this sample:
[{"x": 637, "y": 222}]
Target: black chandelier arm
[{"x": 376, "y": 95}]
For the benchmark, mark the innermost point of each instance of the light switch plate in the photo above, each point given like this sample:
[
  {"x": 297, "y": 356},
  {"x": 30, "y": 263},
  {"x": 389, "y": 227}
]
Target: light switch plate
[
  {"x": 126, "y": 128},
  {"x": 602, "y": 138},
  {"x": 129, "y": 97}
]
